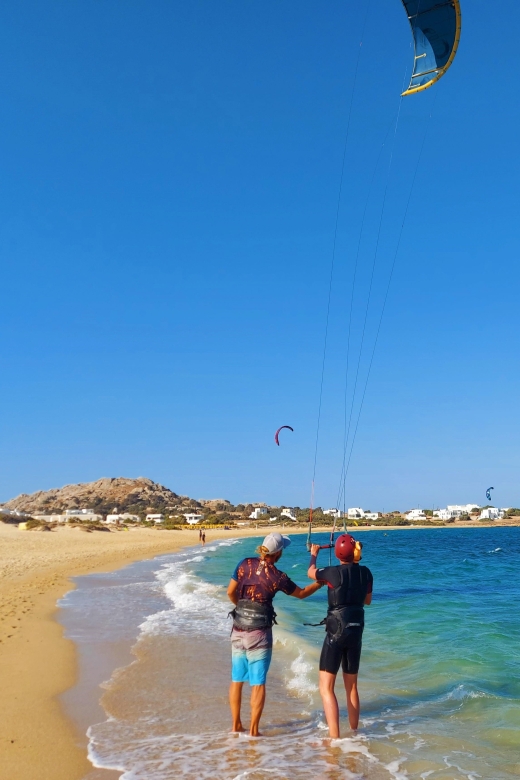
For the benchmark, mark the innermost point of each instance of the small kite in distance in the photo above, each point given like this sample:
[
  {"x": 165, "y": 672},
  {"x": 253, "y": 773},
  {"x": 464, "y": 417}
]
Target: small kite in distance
[
  {"x": 488, "y": 494},
  {"x": 281, "y": 429}
]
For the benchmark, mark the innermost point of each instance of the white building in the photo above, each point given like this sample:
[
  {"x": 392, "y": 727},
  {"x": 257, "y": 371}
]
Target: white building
[
  {"x": 443, "y": 514},
  {"x": 492, "y": 514},
  {"x": 155, "y": 518},
  {"x": 289, "y": 513},
  {"x": 121, "y": 518},
  {"x": 257, "y": 513},
  {"x": 333, "y": 513},
  {"x": 371, "y": 515},
  {"x": 193, "y": 519},
  {"x": 50, "y": 518},
  {"x": 355, "y": 513},
  {"x": 415, "y": 515},
  {"x": 14, "y": 513},
  {"x": 86, "y": 515},
  {"x": 461, "y": 509}
]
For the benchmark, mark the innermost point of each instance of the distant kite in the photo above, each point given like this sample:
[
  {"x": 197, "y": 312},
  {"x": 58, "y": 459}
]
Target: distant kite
[
  {"x": 488, "y": 494},
  {"x": 281, "y": 429}
]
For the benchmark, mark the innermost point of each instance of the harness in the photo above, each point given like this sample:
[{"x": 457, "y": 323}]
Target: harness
[
  {"x": 252, "y": 615},
  {"x": 346, "y": 601}
]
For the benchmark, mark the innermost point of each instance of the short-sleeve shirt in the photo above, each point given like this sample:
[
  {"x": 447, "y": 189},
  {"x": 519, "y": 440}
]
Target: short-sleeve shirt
[
  {"x": 331, "y": 575},
  {"x": 260, "y": 580}
]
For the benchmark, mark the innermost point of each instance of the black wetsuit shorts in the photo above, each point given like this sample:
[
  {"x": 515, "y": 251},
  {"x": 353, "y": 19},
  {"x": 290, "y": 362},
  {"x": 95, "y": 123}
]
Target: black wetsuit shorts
[{"x": 345, "y": 651}]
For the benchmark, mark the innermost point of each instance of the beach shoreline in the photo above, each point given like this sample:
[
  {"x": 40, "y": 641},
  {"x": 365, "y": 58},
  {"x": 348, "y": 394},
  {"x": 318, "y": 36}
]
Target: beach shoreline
[{"x": 38, "y": 663}]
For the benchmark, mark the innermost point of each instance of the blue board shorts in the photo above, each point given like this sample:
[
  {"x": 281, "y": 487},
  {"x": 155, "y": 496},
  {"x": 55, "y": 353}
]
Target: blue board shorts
[{"x": 251, "y": 653}]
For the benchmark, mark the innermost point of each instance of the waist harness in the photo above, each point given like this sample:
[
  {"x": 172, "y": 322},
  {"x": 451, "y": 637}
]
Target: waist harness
[
  {"x": 346, "y": 601},
  {"x": 252, "y": 615}
]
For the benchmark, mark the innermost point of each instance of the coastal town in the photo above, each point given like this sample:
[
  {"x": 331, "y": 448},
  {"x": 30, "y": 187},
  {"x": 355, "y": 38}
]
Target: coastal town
[{"x": 123, "y": 502}]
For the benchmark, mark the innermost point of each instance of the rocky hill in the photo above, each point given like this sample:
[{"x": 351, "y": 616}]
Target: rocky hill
[{"x": 103, "y": 496}]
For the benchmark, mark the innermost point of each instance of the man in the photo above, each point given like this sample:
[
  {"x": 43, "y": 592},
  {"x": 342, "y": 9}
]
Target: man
[
  {"x": 252, "y": 588},
  {"x": 350, "y": 588}
]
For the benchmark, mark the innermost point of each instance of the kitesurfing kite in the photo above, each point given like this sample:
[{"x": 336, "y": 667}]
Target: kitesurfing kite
[
  {"x": 488, "y": 494},
  {"x": 436, "y": 33},
  {"x": 281, "y": 429}
]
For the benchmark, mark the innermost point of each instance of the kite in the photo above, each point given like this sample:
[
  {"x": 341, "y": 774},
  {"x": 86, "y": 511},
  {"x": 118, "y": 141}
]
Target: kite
[
  {"x": 281, "y": 429},
  {"x": 436, "y": 33},
  {"x": 488, "y": 494}
]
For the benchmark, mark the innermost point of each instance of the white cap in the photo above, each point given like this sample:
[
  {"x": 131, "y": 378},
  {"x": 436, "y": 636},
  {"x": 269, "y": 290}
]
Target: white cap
[{"x": 275, "y": 542}]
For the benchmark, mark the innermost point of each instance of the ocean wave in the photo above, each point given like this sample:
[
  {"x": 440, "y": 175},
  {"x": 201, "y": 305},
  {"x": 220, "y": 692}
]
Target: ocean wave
[{"x": 198, "y": 606}]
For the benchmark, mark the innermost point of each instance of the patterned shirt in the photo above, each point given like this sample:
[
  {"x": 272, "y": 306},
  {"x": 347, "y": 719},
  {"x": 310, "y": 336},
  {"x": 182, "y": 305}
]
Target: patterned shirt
[{"x": 260, "y": 580}]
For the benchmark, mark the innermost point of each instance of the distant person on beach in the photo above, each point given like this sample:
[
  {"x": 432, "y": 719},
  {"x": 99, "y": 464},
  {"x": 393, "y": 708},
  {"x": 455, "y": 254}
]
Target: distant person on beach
[
  {"x": 203, "y": 538},
  {"x": 252, "y": 587},
  {"x": 349, "y": 589},
  {"x": 200, "y": 534}
]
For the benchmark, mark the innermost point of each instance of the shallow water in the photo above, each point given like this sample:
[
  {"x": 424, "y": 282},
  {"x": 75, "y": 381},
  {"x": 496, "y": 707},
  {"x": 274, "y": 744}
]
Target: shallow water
[{"x": 439, "y": 678}]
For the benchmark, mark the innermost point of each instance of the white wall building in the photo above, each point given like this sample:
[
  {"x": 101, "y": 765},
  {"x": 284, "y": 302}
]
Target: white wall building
[
  {"x": 257, "y": 513},
  {"x": 492, "y": 514},
  {"x": 86, "y": 515},
  {"x": 155, "y": 518},
  {"x": 121, "y": 518},
  {"x": 332, "y": 512},
  {"x": 371, "y": 515},
  {"x": 416, "y": 515},
  {"x": 355, "y": 513},
  {"x": 461, "y": 509},
  {"x": 289, "y": 513},
  {"x": 50, "y": 518},
  {"x": 443, "y": 514},
  {"x": 193, "y": 519}
]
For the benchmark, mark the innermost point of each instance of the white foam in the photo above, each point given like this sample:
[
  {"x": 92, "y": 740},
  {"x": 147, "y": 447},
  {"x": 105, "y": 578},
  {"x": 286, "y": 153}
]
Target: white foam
[
  {"x": 197, "y": 606},
  {"x": 300, "y": 681}
]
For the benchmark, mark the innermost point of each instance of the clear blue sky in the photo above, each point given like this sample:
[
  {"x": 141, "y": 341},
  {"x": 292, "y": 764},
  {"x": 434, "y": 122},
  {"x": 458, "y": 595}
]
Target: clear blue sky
[{"x": 169, "y": 183}]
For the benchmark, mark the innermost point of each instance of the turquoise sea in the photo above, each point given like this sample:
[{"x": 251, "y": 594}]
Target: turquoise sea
[{"x": 439, "y": 678}]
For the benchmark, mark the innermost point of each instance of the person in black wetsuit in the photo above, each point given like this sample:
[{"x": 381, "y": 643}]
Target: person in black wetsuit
[{"x": 349, "y": 589}]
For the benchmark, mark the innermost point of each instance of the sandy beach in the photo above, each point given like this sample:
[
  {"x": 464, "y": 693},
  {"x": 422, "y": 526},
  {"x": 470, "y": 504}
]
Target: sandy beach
[{"x": 37, "y": 662}]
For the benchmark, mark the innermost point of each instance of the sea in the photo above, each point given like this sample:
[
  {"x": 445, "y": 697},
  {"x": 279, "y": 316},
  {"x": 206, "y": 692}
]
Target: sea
[{"x": 439, "y": 679}]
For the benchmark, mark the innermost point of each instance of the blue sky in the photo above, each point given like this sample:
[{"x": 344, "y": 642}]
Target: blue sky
[{"x": 169, "y": 185}]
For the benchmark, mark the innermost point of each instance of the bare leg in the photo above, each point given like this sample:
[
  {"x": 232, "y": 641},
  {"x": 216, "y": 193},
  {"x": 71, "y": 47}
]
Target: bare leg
[
  {"x": 235, "y": 701},
  {"x": 257, "y": 707},
  {"x": 330, "y": 703},
  {"x": 350, "y": 681}
]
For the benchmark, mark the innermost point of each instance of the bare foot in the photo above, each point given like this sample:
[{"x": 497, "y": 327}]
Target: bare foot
[
  {"x": 238, "y": 729},
  {"x": 256, "y": 735}
]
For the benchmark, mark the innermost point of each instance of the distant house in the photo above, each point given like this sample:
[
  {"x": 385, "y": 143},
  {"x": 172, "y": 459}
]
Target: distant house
[
  {"x": 193, "y": 519},
  {"x": 443, "y": 514},
  {"x": 85, "y": 515},
  {"x": 355, "y": 513},
  {"x": 332, "y": 512},
  {"x": 257, "y": 513},
  {"x": 492, "y": 514},
  {"x": 371, "y": 515},
  {"x": 50, "y": 518},
  {"x": 121, "y": 518},
  {"x": 155, "y": 518},
  {"x": 289, "y": 513},
  {"x": 462, "y": 509},
  {"x": 415, "y": 515}
]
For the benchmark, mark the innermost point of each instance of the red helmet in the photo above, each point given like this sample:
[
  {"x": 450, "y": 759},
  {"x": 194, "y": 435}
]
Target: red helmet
[{"x": 346, "y": 548}]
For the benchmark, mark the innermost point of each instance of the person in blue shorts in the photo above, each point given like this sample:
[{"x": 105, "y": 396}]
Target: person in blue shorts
[{"x": 252, "y": 587}]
